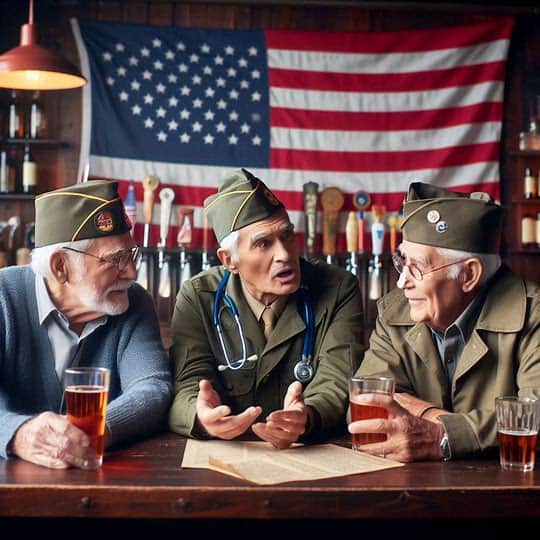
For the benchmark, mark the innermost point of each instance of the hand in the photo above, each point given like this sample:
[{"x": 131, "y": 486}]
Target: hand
[
  {"x": 52, "y": 441},
  {"x": 283, "y": 428},
  {"x": 409, "y": 438},
  {"x": 216, "y": 418},
  {"x": 419, "y": 407}
]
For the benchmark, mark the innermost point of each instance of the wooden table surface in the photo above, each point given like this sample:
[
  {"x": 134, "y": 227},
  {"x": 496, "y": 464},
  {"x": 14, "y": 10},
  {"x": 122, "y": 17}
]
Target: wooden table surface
[{"x": 145, "y": 480}]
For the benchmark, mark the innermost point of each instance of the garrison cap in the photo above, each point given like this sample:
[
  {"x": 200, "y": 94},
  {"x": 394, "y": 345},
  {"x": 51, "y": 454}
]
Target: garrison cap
[
  {"x": 92, "y": 209},
  {"x": 438, "y": 217},
  {"x": 241, "y": 199}
]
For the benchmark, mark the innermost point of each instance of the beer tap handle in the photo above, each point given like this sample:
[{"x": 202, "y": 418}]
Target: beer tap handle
[
  {"x": 361, "y": 201},
  {"x": 392, "y": 225},
  {"x": 150, "y": 184},
  {"x": 185, "y": 226},
  {"x": 310, "y": 212},
  {"x": 332, "y": 200}
]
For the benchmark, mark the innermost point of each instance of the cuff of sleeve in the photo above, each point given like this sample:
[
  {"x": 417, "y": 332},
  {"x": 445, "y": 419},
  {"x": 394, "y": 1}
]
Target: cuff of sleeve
[
  {"x": 461, "y": 436},
  {"x": 10, "y": 424}
]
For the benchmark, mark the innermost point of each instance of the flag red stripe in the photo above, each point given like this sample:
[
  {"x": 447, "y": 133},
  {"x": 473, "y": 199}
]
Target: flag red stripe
[
  {"x": 378, "y": 42},
  {"x": 385, "y": 121},
  {"x": 387, "y": 82},
  {"x": 383, "y": 161}
]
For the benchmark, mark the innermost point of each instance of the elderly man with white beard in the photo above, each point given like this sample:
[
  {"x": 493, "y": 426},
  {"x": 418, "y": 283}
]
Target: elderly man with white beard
[{"x": 78, "y": 305}]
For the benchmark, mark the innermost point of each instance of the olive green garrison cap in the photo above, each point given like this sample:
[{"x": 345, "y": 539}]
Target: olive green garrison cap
[
  {"x": 241, "y": 199},
  {"x": 92, "y": 209},
  {"x": 438, "y": 217}
]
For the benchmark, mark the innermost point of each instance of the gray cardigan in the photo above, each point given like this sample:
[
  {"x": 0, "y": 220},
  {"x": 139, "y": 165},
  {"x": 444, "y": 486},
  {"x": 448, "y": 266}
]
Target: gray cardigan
[{"x": 128, "y": 344}]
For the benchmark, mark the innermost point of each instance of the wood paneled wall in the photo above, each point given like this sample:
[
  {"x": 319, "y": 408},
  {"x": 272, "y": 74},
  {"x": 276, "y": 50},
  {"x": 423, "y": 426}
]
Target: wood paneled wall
[{"x": 64, "y": 108}]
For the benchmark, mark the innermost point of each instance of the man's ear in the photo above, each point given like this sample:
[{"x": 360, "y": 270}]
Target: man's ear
[
  {"x": 225, "y": 257},
  {"x": 58, "y": 265},
  {"x": 472, "y": 274}
]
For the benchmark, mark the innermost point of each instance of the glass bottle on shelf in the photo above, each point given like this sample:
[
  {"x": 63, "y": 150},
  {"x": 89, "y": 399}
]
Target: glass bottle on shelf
[
  {"x": 29, "y": 172},
  {"x": 8, "y": 171},
  {"x": 36, "y": 119},
  {"x": 15, "y": 120},
  {"x": 529, "y": 184},
  {"x": 528, "y": 231}
]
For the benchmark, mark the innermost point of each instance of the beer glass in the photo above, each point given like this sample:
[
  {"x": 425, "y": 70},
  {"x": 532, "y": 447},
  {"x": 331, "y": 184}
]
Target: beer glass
[
  {"x": 361, "y": 411},
  {"x": 86, "y": 391},
  {"x": 517, "y": 426}
]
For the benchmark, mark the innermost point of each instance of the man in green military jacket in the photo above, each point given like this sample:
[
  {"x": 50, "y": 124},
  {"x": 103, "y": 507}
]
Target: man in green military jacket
[
  {"x": 459, "y": 330},
  {"x": 248, "y": 382}
]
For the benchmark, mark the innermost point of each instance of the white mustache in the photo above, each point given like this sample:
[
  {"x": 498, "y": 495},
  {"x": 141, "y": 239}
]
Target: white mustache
[{"x": 120, "y": 286}]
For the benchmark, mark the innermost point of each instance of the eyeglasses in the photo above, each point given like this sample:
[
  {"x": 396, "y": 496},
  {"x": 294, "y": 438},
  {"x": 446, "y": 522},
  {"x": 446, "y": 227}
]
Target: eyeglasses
[
  {"x": 399, "y": 264},
  {"x": 120, "y": 259}
]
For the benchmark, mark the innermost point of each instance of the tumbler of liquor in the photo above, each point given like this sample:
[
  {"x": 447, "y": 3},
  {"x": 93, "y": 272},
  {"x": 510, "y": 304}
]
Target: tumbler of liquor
[
  {"x": 86, "y": 391},
  {"x": 362, "y": 411},
  {"x": 517, "y": 425}
]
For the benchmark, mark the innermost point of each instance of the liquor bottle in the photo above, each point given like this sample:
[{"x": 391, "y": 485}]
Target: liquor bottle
[
  {"x": 528, "y": 231},
  {"x": 529, "y": 181},
  {"x": 36, "y": 119},
  {"x": 15, "y": 123},
  {"x": 8, "y": 171},
  {"x": 29, "y": 172}
]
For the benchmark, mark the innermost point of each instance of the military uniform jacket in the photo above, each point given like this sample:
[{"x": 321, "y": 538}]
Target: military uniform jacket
[
  {"x": 501, "y": 357},
  {"x": 196, "y": 351}
]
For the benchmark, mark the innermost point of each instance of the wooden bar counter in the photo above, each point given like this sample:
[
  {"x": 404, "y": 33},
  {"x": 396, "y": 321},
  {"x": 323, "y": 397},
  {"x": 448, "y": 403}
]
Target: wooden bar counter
[{"x": 144, "y": 481}]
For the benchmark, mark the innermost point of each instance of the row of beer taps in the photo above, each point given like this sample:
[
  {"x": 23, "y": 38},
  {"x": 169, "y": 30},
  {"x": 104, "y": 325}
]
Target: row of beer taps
[
  {"x": 162, "y": 271},
  {"x": 332, "y": 200}
]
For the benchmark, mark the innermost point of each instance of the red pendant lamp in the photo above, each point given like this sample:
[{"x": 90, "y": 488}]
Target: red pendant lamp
[{"x": 32, "y": 67}]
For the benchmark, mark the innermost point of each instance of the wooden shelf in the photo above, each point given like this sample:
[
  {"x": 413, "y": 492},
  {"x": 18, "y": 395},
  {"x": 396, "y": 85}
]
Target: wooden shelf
[
  {"x": 525, "y": 153},
  {"x": 49, "y": 143},
  {"x": 16, "y": 197}
]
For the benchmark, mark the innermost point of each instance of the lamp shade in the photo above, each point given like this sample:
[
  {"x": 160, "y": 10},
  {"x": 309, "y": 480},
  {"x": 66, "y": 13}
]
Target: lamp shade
[{"x": 32, "y": 67}]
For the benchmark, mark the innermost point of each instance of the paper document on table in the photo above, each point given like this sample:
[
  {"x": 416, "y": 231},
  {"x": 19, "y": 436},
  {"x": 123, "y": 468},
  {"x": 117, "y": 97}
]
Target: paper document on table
[{"x": 260, "y": 463}]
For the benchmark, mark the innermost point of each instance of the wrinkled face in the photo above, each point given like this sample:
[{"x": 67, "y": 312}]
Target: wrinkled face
[
  {"x": 102, "y": 286},
  {"x": 268, "y": 258},
  {"x": 435, "y": 300}
]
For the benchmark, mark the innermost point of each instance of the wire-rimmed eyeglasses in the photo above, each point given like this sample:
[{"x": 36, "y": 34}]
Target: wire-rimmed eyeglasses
[
  {"x": 120, "y": 259},
  {"x": 399, "y": 264}
]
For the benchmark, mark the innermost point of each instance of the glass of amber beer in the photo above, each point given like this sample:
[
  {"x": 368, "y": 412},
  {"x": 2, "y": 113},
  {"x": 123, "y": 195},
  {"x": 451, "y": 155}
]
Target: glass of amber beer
[
  {"x": 517, "y": 425},
  {"x": 86, "y": 391},
  {"x": 362, "y": 411}
]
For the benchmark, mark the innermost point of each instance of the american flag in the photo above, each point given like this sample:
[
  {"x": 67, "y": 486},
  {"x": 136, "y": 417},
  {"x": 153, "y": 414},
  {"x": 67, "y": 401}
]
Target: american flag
[{"x": 368, "y": 111}]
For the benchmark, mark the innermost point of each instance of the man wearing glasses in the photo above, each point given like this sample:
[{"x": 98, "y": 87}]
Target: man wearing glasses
[
  {"x": 459, "y": 330},
  {"x": 78, "y": 305}
]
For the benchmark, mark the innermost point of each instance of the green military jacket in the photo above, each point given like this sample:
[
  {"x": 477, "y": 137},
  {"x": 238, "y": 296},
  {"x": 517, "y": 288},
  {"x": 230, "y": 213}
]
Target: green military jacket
[
  {"x": 501, "y": 357},
  {"x": 196, "y": 351}
]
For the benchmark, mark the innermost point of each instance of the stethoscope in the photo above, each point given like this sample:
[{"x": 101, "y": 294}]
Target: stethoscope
[{"x": 303, "y": 370}]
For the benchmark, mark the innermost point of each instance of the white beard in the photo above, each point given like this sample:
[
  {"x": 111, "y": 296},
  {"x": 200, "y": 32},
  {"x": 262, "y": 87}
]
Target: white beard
[{"x": 93, "y": 301}]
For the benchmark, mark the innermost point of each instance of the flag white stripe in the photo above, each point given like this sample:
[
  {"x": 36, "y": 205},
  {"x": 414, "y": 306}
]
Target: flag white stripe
[
  {"x": 321, "y": 100},
  {"x": 289, "y": 180},
  {"x": 405, "y": 62},
  {"x": 384, "y": 141}
]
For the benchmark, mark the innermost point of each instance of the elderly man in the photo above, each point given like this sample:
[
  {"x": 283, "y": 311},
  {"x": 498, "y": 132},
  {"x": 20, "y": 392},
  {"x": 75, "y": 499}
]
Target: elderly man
[
  {"x": 459, "y": 330},
  {"x": 78, "y": 307},
  {"x": 266, "y": 341}
]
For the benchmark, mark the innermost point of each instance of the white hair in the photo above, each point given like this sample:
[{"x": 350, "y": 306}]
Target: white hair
[
  {"x": 230, "y": 244},
  {"x": 490, "y": 262},
  {"x": 41, "y": 256}
]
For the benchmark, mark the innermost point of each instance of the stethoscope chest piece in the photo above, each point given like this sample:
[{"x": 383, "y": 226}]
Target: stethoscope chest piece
[{"x": 303, "y": 371}]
